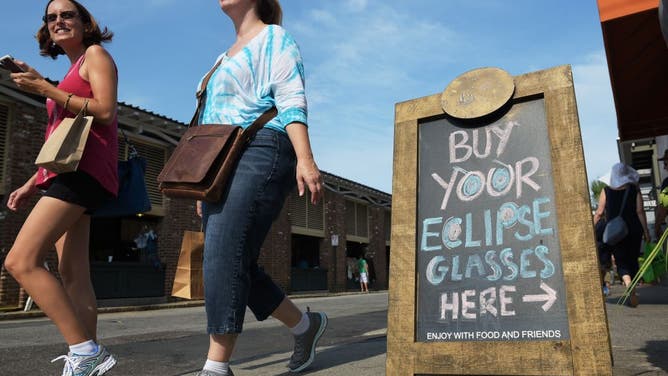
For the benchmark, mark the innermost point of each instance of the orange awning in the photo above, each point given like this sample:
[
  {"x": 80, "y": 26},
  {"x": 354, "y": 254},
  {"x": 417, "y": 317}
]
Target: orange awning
[{"x": 638, "y": 64}]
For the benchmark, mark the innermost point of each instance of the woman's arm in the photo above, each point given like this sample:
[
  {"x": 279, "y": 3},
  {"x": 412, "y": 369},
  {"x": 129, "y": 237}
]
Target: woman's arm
[
  {"x": 20, "y": 196},
  {"x": 287, "y": 86},
  {"x": 98, "y": 69},
  {"x": 308, "y": 173},
  {"x": 601, "y": 207}
]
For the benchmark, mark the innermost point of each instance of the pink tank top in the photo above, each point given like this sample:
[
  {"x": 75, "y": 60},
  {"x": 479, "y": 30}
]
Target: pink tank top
[{"x": 100, "y": 156}]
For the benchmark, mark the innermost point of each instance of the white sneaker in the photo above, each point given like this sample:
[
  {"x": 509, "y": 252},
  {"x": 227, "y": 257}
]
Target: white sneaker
[{"x": 87, "y": 365}]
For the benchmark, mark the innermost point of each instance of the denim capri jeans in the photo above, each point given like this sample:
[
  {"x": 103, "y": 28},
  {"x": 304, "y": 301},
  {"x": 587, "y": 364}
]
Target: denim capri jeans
[{"x": 235, "y": 229}]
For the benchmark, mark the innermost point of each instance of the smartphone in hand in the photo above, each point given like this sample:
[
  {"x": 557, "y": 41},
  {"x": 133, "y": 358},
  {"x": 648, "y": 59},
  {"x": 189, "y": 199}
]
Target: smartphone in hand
[{"x": 7, "y": 62}]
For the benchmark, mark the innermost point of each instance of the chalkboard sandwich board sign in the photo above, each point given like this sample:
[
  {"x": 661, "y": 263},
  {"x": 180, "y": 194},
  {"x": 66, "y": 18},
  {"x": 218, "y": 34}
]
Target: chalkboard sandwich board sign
[{"x": 493, "y": 269}]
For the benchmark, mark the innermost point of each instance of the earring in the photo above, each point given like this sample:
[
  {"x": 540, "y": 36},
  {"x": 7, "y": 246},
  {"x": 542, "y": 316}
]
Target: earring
[{"x": 53, "y": 44}]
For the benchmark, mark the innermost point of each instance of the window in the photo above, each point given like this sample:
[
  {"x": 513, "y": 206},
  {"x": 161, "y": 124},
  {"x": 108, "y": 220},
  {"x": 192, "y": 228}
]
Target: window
[
  {"x": 306, "y": 218},
  {"x": 4, "y": 130},
  {"x": 155, "y": 161},
  {"x": 357, "y": 222},
  {"x": 305, "y": 252}
]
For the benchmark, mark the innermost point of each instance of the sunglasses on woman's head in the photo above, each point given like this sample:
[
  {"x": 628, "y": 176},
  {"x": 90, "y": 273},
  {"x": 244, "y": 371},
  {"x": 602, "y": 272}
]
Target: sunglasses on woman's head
[{"x": 65, "y": 15}]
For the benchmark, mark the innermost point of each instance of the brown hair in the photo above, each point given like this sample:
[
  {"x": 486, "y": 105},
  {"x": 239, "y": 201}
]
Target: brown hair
[
  {"x": 92, "y": 32},
  {"x": 269, "y": 11}
]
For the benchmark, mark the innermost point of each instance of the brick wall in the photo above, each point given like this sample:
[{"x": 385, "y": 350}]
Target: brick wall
[
  {"x": 335, "y": 224},
  {"x": 376, "y": 249},
  {"x": 24, "y": 139}
]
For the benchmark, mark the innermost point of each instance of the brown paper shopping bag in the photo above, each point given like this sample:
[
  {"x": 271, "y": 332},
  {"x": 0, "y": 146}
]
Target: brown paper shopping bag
[
  {"x": 188, "y": 281},
  {"x": 63, "y": 149}
]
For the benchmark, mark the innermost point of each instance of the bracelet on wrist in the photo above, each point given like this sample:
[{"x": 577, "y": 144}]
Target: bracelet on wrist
[{"x": 67, "y": 102}]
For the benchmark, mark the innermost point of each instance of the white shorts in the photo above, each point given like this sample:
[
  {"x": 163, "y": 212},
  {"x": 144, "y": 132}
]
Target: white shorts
[{"x": 364, "y": 278}]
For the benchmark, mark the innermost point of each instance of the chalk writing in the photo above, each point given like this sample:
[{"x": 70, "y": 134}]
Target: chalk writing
[{"x": 488, "y": 254}]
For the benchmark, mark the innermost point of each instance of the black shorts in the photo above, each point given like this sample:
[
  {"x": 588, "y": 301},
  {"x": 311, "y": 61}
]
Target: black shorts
[{"x": 78, "y": 188}]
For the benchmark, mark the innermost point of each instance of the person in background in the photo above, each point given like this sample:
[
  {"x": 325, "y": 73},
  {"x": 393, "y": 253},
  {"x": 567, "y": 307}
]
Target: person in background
[
  {"x": 261, "y": 70},
  {"x": 624, "y": 180},
  {"x": 662, "y": 202},
  {"x": 61, "y": 216},
  {"x": 363, "y": 269},
  {"x": 604, "y": 254}
]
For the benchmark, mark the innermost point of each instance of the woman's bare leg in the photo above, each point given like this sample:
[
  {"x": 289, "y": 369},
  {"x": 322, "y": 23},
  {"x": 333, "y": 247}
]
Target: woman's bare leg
[
  {"x": 287, "y": 313},
  {"x": 74, "y": 268},
  {"x": 633, "y": 297},
  {"x": 48, "y": 221},
  {"x": 221, "y": 347}
]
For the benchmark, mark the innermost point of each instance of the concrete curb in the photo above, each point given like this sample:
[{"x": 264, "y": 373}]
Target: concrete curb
[
  {"x": 36, "y": 313},
  {"x": 18, "y": 315}
]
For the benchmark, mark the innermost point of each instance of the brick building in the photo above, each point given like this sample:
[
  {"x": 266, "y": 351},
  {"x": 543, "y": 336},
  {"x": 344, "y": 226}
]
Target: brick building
[{"x": 308, "y": 248}]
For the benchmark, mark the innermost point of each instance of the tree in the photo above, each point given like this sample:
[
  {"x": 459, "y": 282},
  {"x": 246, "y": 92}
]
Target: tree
[{"x": 596, "y": 188}]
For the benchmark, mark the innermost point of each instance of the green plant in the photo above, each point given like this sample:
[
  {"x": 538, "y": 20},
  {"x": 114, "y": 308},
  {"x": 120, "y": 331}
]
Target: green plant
[
  {"x": 596, "y": 189},
  {"x": 647, "y": 263}
]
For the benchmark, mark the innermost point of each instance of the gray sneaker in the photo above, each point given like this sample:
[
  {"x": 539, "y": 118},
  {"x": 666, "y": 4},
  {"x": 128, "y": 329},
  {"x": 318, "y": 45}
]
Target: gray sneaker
[
  {"x": 87, "y": 365},
  {"x": 206, "y": 372},
  {"x": 305, "y": 344}
]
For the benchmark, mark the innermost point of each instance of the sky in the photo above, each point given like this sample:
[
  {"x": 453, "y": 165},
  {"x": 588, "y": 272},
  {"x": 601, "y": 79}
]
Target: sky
[{"x": 361, "y": 58}]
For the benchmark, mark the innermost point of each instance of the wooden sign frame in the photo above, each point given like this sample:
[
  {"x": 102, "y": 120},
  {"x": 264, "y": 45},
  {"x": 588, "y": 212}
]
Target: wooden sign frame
[{"x": 588, "y": 350}]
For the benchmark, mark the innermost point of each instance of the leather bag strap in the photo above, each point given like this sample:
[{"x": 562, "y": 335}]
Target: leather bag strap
[
  {"x": 260, "y": 122},
  {"x": 201, "y": 94}
]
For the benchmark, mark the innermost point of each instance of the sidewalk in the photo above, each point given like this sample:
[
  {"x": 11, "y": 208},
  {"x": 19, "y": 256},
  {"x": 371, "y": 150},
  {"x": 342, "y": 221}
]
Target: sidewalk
[
  {"x": 130, "y": 305},
  {"x": 33, "y": 313},
  {"x": 639, "y": 335}
]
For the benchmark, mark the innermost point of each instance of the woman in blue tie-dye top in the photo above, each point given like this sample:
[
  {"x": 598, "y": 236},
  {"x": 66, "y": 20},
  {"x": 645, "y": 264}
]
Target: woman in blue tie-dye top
[{"x": 262, "y": 69}]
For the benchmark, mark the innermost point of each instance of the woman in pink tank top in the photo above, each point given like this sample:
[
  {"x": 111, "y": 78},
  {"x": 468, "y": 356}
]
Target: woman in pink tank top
[{"x": 61, "y": 216}]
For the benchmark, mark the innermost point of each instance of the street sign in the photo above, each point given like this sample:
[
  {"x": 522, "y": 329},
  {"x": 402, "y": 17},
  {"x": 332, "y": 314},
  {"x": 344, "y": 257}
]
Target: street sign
[{"x": 494, "y": 267}]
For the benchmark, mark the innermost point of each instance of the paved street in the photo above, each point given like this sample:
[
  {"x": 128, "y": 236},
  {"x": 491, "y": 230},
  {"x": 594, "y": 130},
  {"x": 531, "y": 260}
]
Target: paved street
[
  {"x": 640, "y": 335},
  {"x": 172, "y": 342}
]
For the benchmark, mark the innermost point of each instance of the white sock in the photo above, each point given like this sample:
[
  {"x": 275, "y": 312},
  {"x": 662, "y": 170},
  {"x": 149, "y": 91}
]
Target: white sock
[
  {"x": 302, "y": 326},
  {"x": 218, "y": 367},
  {"x": 84, "y": 348}
]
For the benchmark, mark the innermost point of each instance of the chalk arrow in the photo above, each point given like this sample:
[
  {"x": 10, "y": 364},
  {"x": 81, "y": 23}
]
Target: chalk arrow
[{"x": 549, "y": 297}]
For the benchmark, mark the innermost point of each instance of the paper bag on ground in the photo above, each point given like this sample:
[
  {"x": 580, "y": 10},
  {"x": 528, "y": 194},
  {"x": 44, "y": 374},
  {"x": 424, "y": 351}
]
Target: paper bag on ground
[{"x": 188, "y": 282}]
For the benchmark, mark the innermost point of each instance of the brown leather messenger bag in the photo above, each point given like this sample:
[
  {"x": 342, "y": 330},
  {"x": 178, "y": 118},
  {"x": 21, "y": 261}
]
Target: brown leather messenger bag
[{"x": 205, "y": 157}]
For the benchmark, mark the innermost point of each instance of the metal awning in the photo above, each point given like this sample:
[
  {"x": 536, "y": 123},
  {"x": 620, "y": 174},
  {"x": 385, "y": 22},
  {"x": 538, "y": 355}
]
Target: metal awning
[{"x": 638, "y": 64}]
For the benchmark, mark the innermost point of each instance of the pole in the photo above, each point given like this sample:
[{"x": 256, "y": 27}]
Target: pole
[{"x": 334, "y": 267}]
